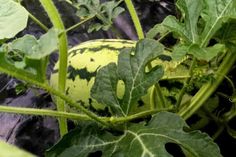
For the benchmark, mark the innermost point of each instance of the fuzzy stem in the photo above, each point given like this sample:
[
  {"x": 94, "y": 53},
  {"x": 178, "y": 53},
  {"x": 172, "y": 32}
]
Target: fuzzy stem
[
  {"x": 188, "y": 80},
  {"x": 37, "y": 21},
  {"x": 44, "y": 27},
  {"x": 79, "y": 24},
  {"x": 76, "y": 116},
  {"x": 207, "y": 90},
  {"x": 135, "y": 18},
  {"x": 32, "y": 79},
  {"x": 42, "y": 112},
  {"x": 57, "y": 23},
  {"x": 138, "y": 115}
]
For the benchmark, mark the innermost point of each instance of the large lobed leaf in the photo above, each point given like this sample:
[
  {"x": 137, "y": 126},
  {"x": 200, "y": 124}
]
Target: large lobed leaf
[
  {"x": 215, "y": 13},
  {"x": 33, "y": 54},
  {"x": 200, "y": 21},
  {"x": 131, "y": 70},
  {"x": 191, "y": 10},
  {"x": 13, "y": 18},
  {"x": 138, "y": 140}
]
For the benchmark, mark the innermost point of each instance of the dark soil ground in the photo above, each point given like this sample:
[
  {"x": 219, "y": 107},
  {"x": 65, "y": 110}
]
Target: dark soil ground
[{"x": 35, "y": 133}]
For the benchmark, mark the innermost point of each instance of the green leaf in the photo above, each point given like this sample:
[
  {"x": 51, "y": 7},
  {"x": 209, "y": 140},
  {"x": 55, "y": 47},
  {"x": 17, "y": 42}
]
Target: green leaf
[
  {"x": 179, "y": 51},
  {"x": 86, "y": 8},
  {"x": 227, "y": 34},
  {"x": 33, "y": 54},
  {"x": 231, "y": 132},
  {"x": 37, "y": 49},
  {"x": 138, "y": 140},
  {"x": 215, "y": 13},
  {"x": 46, "y": 45},
  {"x": 131, "y": 70},
  {"x": 29, "y": 73},
  {"x": 24, "y": 44},
  {"x": 105, "y": 12},
  {"x": 187, "y": 29},
  {"x": 158, "y": 29},
  {"x": 111, "y": 10},
  {"x": 13, "y": 18},
  {"x": 8, "y": 150},
  {"x": 206, "y": 53}
]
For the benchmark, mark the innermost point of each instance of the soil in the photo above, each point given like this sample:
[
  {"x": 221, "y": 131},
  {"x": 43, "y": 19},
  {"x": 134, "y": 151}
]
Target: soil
[{"x": 36, "y": 133}]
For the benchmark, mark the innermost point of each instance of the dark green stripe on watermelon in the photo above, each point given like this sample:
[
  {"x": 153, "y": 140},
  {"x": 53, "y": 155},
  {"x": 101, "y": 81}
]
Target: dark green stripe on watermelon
[
  {"x": 118, "y": 41},
  {"x": 165, "y": 57},
  {"x": 83, "y": 73},
  {"x": 95, "y": 49}
]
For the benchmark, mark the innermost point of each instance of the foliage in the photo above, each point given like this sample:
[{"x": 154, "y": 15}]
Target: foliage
[
  {"x": 201, "y": 22},
  {"x": 92, "y": 138},
  {"x": 137, "y": 82},
  {"x": 8, "y": 150},
  {"x": 14, "y": 17},
  {"x": 104, "y": 12}
]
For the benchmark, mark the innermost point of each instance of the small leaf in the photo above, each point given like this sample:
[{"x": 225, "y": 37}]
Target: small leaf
[
  {"x": 180, "y": 51},
  {"x": 105, "y": 12},
  {"x": 36, "y": 49},
  {"x": 13, "y": 18},
  {"x": 206, "y": 53},
  {"x": 187, "y": 29},
  {"x": 94, "y": 27},
  {"x": 214, "y": 14},
  {"x": 158, "y": 29},
  {"x": 46, "y": 45},
  {"x": 131, "y": 70},
  {"x": 33, "y": 54},
  {"x": 138, "y": 140},
  {"x": 227, "y": 34},
  {"x": 10, "y": 69},
  {"x": 111, "y": 10},
  {"x": 24, "y": 44},
  {"x": 86, "y": 8}
]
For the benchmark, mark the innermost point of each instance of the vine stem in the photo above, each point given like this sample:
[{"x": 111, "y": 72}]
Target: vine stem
[
  {"x": 188, "y": 80},
  {"x": 80, "y": 23},
  {"x": 43, "y": 112},
  {"x": 44, "y": 27},
  {"x": 206, "y": 90},
  {"x": 37, "y": 21},
  {"x": 63, "y": 48},
  {"x": 76, "y": 116},
  {"x": 115, "y": 120},
  {"x": 135, "y": 18}
]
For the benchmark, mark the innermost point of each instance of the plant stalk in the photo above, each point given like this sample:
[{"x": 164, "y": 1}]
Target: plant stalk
[
  {"x": 57, "y": 23},
  {"x": 42, "y": 112},
  {"x": 44, "y": 27},
  {"x": 76, "y": 116},
  {"x": 78, "y": 24},
  {"x": 115, "y": 120},
  {"x": 32, "y": 79},
  {"x": 135, "y": 18},
  {"x": 188, "y": 80},
  {"x": 207, "y": 90}
]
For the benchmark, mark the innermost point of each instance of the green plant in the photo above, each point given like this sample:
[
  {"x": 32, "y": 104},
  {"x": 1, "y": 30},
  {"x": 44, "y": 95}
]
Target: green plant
[
  {"x": 8, "y": 150},
  {"x": 201, "y": 22}
]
